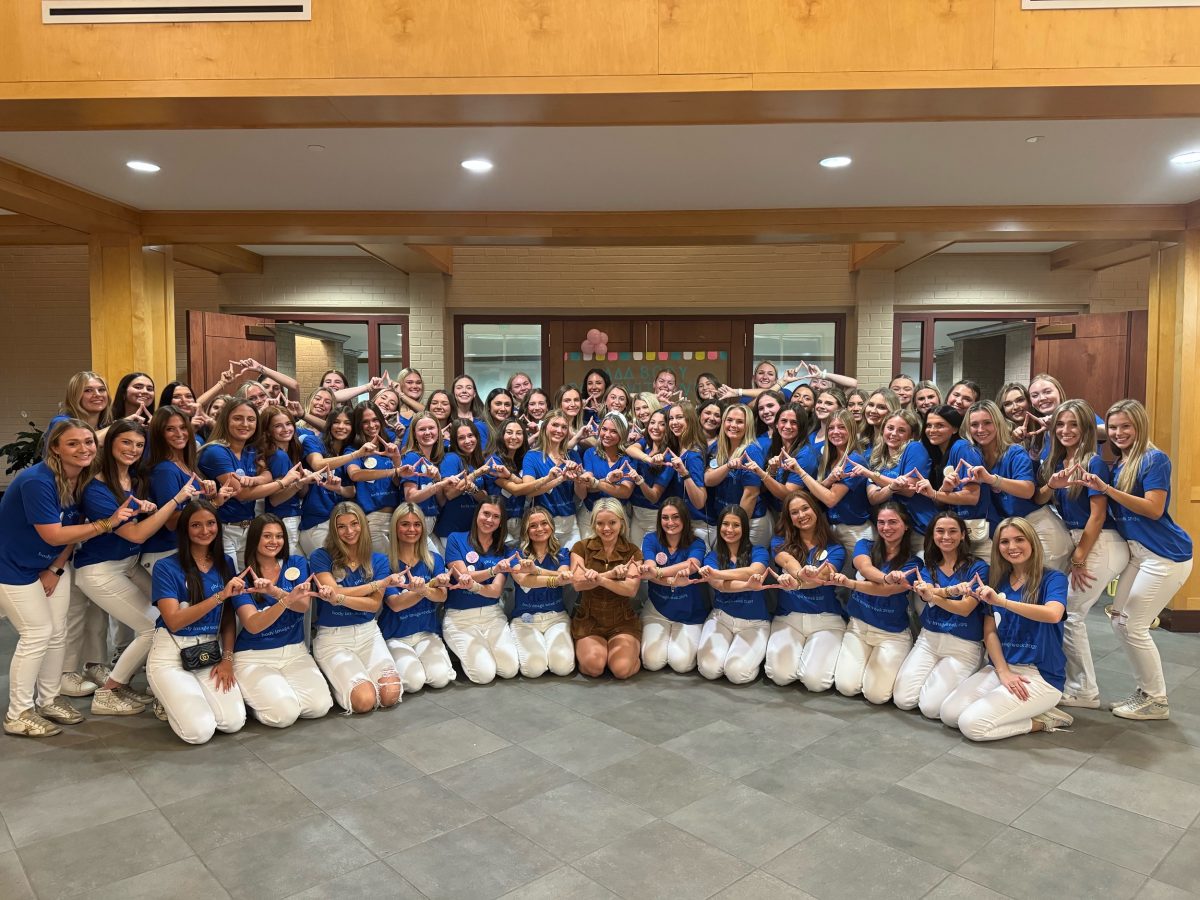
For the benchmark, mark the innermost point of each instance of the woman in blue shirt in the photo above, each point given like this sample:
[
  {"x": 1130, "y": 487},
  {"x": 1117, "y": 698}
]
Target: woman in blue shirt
[
  {"x": 1160, "y": 552},
  {"x": 328, "y": 451},
  {"x": 281, "y": 453},
  {"x": 505, "y": 455},
  {"x": 411, "y": 618},
  {"x": 605, "y": 471},
  {"x": 731, "y": 483},
  {"x": 675, "y": 610},
  {"x": 349, "y": 647},
  {"x": 686, "y": 442},
  {"x": 540, "y": 624},
  {"x": 1100, "y": 553},
  {"x": 375, "y": 476},
  {"x": 547, "y": 472},
  {"x": 278, "y": 677},
  {"x": 87, "y": 400},
  {"x": 835, "y": 486},
  {"x": 460, "y": 492},
  {"x": 1018, "y": 692},
  {"x": 899, "y": 463},
  {"x": 190, "y": 589},
  {"x": 951, "y": 458},
  {"x": 806, "y": 633},
  {"x": 733, "y": 641},
  {"x": 38, "y": 529},
  {"x": 654, "y": 475},
  {"x": 424, "y": 451},
  {"x": 949, "y": 648}
]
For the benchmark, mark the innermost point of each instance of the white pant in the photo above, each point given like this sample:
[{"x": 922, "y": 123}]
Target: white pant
[
  {"x": 483, "y": 642},
  {"x": 544, "y": 643},
  {"x": 421, "y": 659},
  {"x": 291, "y": 524},
  {"x": 379, "y": 523},
  {"x": 985, "y": 710},
  {"x": 937, "y": 664},
  {"x": 234, "y": 542},
  {"x": 195, "y": 707},
  {"x": 282, "y": 684},
  {"x": 121, "y": 588},
  {"x": 566, "y": 529},
  {"x": 804, "y": 647},
  {"x": 1056, "y": 540},
  {"x": 705, "y": 532},
  {"x": 1107, "y": 559},
  {"x": 665, "y": 642},
  {"x": 978, "y": 530},
  {"x": 350, "y": 655},
  {"x": 731, "y": 647},
  {"x": 312, "y": 539},
  {"x": 1146, "y": 587},
  {"x": 41, "y": 623},
  {"x": 86, "y": 638},
  {"x": 641, "y": 523},
  {"x": 849, "y": 535},
  {"x": 761, "y": 530},
  {"x": 869, "y": 660}
]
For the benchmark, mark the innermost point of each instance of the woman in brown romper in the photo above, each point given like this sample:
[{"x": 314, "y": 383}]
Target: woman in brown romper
[{"x": 606, "y": 628}]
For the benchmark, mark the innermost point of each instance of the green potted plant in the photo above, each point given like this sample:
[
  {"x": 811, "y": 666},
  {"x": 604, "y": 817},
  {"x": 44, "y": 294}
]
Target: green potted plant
[{"x": 24, "y": 451}]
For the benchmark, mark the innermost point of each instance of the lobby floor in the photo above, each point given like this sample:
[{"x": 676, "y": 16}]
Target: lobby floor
[{"x": 664, "y": 786}]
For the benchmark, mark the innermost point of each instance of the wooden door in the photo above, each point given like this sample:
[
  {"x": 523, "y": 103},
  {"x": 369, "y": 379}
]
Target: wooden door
[
  {"x": 716, "y": 346},
  {"x": 216, "y": 338},
  {"x": 1099, "y": 357}
]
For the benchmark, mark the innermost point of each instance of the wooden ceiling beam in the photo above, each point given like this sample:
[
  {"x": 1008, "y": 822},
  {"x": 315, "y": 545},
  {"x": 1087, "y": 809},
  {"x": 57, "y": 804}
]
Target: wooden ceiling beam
[
  {"x": 220, "y": 259},
  {"x": 897, "y": 256},
  {"x": 31, "y": 193},
  {"x": 413, "y": 258},
  {"x": 28, "y": 231},
  {"x": 1097, "y": 255}
]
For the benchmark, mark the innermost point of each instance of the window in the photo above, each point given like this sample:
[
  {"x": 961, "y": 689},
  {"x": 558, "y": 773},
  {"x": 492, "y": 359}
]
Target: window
[
  {"x": 788, "y": 343},
  {"x": 911, "y": 338},
  {"x": 986, "y": 348},
  {"x": 307, "y": 346},
  {"x": 492, "y": 352}
]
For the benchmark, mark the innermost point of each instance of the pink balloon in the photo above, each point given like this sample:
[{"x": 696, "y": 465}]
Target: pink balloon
[
  {"x": 602, "y": 349},
  {"x": 587, "y": 348},
  {"x": 593, "y": 335},
  {"x": 603, "y": 338}
]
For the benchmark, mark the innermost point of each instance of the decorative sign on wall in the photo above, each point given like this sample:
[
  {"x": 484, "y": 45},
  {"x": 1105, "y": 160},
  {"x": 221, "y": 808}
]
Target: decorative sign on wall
[
  {"x": 637, "y": 370},
  {"x": 1102, "y": 4}
]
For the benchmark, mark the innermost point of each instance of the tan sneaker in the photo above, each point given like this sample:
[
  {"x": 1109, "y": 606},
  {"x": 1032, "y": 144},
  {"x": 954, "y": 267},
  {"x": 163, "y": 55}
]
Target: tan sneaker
[
  {"x": 132, "y": 694},
  {"x": 58, "y": 710},
  {"x": 107, "y": 702},
  {"x": 75, "y": 685},
  {"x": 30, "y": 724},
  {"x": 98, "y": 673}
]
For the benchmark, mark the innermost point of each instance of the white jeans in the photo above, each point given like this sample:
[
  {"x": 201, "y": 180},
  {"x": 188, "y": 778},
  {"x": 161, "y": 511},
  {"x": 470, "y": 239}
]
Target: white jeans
[
  {"x": 1107, "y": 559},
  {"x": 282, "y": 684},
  {"x": 936, "y": 665},
  {"x": 583, "y": 523},
  {"x": 665, "y": 642},
  {"x": 379, "y": 523},
  {"x": 849, "y": 535},
  {"x": 421, "y": 659},
  {"x": 234, "y": 542},
  {"x": 731, "y": 647},
  {"x": 544, "y": 644},
  {"x": 1056, "y": 540},
  {"x": 985, "y": 710},
  {"x": 869, "y": 660},
  {"x": 312, "y": 539},
  {"x": 41, "y": 623},
  {"x": 350, "y": 655},
  {"x": 86, "y": 638},
  {"x": 705, "y": 532},
  {"x": 291, "y": 524},
  {"x": 761, "y": 530},
  {"x": 195, "y": 707},
  {"x": 1146, "y": 587},
  {"x": 566, "y": 529},
  {"x": 804, "y": 647},
  {"x": 981, "y": 540},
  {"x": 641, "y": 523},
  {"x": 122, "y": 589},
  {"x": 483, "y": 642}
]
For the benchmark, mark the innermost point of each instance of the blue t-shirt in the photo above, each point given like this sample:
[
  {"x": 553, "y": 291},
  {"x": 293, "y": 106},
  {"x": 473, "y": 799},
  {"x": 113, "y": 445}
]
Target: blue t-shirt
[
  {"x": 459, "y": 549},
  {"x": 811, "y": 601},
  {"x": 422, "y": 616},
  {"x": 854, "y": 508},
  {"x": 741, "y": 604},
  {"x": 31, "y": 499},
  {"x": 1029, "y": 643},
  {"x": 693, "y": 461},
  {"x": 168, "y": 582},
  {"x": 809, "y": 459},
  {"x": 320, "y": 500},
  {"x": 560, "y": 500},
  {"x": 729, "y": 491},
  {"x": 1161, "y": 535},
  {"x": 1014, "y": 464},
  {"x": 429, "y": 506},
  {"x": 656, "y": 476},
  {"x": 514, "y": 504},
  {"x": 965, "y": 450},
  {"x": 530, "y": 601},
  {"x": 280, "y": 464},
  {"x": 888, "y": 613},
  {"x": 379, "y": 493},
  {"x": 594, "y": 462},
  {"x": 459, "y": 513},
  {"x": 920, "y": 508},
  {"x": 98, "y": 503},
  {"x": 1075, "y": 511},
  {"x": 289, "y": 627},
  {"x": 217, "y": 460},
  {"x": 166, "y": 480},
  {"x": 682, "y": 603},
  {"x": 331, "y": 616},
  {"x": 942, "y": 621}
]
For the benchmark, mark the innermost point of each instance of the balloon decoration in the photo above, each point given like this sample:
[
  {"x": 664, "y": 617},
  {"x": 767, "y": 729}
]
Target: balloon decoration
[{"x": 595, "y": 343}]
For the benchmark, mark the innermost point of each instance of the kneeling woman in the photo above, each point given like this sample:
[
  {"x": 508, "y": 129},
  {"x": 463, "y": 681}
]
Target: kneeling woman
[
  {"x": 675, "y": 613},
  {"x": 279, "y": 679},
  {"x": 1018, "y": 692},
  {"x": 606, "y": 628},
  {"x": 190, "y": 589},
  {"x": 540, "y": 623},
  {"x": 733, "y": 641},
  {"x": 349, "y": 647},
  {"x": 806, "y": 633},
  {"x": 409, "y": 621},
  {"x": 475, "y": 626}
]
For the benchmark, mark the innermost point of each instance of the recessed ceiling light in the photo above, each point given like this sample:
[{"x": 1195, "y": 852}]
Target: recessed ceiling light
[
  {"x": 317, "y": 148},
  {"x": 1034, "y": 138},
  {"x": 1188, "y": 158},
  {"x": 139, "y": 166},
  {"x": 477, "y": 165},
  {"x": 836, "y": 162}
]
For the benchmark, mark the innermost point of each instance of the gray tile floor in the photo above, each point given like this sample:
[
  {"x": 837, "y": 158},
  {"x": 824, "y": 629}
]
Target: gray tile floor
[{"x": 664, "y": 786}]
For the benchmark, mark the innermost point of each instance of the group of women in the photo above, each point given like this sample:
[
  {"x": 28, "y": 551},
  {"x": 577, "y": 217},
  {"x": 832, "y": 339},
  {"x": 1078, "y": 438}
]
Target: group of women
[{"x": 258, "y": 554}]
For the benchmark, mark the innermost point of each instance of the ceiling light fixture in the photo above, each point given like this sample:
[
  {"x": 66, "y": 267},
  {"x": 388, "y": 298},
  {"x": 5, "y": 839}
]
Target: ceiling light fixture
[
  {"x": 1034, "y": 138},
  {"x": 139, "y": 166},
  {"x": 1188, "y": 158},
  {"x": 477, "y": 165},
  {"x": 316, "y": 148},
  {"x": 836, "y": 162}
]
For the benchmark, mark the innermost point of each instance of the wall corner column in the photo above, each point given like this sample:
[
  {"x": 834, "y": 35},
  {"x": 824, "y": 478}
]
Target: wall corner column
[
  {"x": 429, "y": 345},
  {"x": 875, "y": 300}
]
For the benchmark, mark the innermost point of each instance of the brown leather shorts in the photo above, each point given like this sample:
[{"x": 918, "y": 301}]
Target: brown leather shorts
[{"x": 605, "y": 619}]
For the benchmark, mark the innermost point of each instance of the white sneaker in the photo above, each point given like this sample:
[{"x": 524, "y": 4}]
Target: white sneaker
[
  {"x": 98, "y": 673},
  {"x": 1135, "y": 697},
  {"x": 58, "y": 710},
  {"x": 1080, "y": 702},
  {"x": 160, "y": 712},
  {"x": 1144, "y": 709},
  {"x": 107, "y": 702},
  {"x": 1054, "y": 720},
  {"x": 75, "y": 685},
  {"x": 143, "y": 698},
  {"x": 30, "y": 724}
]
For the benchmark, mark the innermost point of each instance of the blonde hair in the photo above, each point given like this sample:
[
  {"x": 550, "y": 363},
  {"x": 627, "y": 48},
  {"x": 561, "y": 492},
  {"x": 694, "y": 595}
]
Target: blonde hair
[
  {"x": 343, "y": 556},
  {"x": 725, "y": 451},
  {"x": 1000, "y": 569},
  {"x": 1131, "y": 459},
  {"x": 881, "y": 456},
  {"x": 523, "y": 541},
  {"x": 72, "y": 406},
  {"x": 1058, "y": 453},
  {"x": 830, "y": 455},
  {"x": 1003, "y": 432},
  {"x": 611, "y": 505},
  {"x": 647, "y": 397},
  {"x": 66, "y": 495},
  {"x": 406, "y": 508}
]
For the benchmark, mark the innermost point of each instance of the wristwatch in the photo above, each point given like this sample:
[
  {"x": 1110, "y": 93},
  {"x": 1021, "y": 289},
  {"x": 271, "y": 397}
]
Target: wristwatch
[{"x": 58, "y": 572}]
